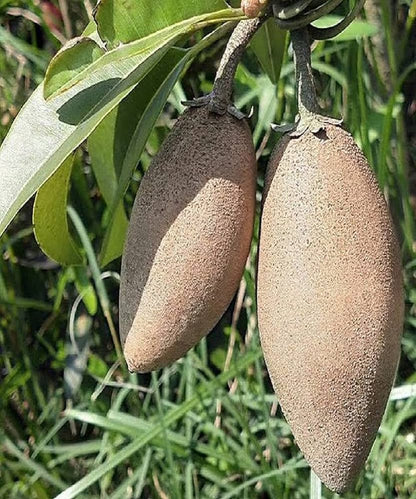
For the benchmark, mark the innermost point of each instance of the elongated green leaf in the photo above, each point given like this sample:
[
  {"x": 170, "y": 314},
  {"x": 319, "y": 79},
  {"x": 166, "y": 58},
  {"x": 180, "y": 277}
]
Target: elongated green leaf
[
  {"x": 13, "y": 381},
  {"x": 45, "y": 133},
  {"x": 269, "y": 44},
  {"x": 27, "y": 303},
  {"x": 106, "y": 145},
  {"x": 109, "y": 144},
  {"x": 267, "y": 109},
  {"x": 50, "y": 218},
  {"x": 71, "y": 60},
  {"x": 137, "y": 478},
  {"x": 115, "y": 237},
  {"x": 357, "y": 29},
  {"x": 289, "y": 466},
  {"x": 134, "y": 19}
]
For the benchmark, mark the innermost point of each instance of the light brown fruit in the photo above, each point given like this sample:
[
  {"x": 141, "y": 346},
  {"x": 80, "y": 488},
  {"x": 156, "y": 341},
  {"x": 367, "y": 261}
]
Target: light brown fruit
[
  {"x": 330, "y": 299},
  {"x": 188, "y": 238},
  {"x": 253, "y": 8}
]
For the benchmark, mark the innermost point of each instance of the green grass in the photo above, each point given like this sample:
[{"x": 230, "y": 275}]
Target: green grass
[{"x": 79, "y": 425}]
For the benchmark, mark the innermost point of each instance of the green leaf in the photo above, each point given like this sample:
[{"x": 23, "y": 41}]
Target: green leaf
[
  {"x": 267, "y": 109},
  {"x": 50, "y": 218},
  {"x": 117, "y": 144},
  {"x": 27, "y": 303},
  {"x": 115, "y": 237},
  {"x": 45, "y": 133},
  {"x": 90, "y": 30},
  {"x": 106, "y": 145},
  {"x": 71, "y": 60},
  {"x": 357, "y": 29},
  {"x": 269, "y": 45},
  {"x": 97, "y": 366},
  {"x": 131, "y": 19}
]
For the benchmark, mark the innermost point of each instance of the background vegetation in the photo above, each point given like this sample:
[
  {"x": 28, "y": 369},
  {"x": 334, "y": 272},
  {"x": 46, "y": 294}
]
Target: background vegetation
[{"x": 208, "y": 426}]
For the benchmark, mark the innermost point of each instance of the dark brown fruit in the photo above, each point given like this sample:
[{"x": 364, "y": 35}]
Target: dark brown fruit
[
  {"x": 330, "y": 299},
  {"x": 188, "y": 238}
]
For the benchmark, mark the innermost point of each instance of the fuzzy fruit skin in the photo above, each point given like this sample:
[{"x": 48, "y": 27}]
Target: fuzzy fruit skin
[
  {"x": 188, "y": 239},
  {"x": 330, "y": 299}
]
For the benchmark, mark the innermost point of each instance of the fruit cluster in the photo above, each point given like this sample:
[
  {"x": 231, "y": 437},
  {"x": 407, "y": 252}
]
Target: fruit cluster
[{"x": 329, "y": 285}]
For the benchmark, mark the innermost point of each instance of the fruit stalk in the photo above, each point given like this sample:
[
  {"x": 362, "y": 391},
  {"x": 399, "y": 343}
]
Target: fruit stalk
[
  {"x": 219, "y": 100},
  {"x": 223, "y": 85},
  {"x": 309, "y": 117},
  {"x": 306, "y": 91}
]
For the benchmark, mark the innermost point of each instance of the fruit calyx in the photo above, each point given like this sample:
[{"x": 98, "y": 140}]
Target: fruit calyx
[
  {"x": 219, "y": 101},
  {"x": 208, "y": 100}
]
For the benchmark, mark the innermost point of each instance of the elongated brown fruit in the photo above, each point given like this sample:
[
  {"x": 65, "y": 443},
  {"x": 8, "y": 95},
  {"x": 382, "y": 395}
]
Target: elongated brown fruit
[
  {"x": 330, "y": 300},
  {"x": 188, "y": 238}
]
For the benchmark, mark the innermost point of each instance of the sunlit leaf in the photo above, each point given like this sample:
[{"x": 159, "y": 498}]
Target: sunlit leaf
[
  {"x": 50, "y": 218},
  {"x": 71, "y": 60},
  {"x": 132, "y": 19}
]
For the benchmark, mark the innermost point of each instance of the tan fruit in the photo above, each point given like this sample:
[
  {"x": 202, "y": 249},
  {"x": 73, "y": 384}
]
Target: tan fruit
[
  {"x": 188, "y": 238},
  {"x": 330, "y": 299}
]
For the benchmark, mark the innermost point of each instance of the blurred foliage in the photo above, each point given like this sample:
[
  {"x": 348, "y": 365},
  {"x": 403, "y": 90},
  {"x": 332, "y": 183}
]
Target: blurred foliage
[{"x": 187, "y": 431}]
